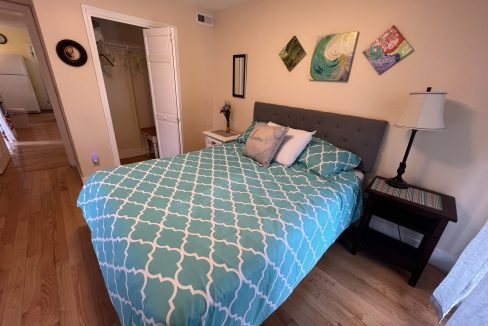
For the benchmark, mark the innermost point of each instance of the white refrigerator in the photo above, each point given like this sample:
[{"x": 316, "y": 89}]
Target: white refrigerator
[{"x": 16, "y": 90}]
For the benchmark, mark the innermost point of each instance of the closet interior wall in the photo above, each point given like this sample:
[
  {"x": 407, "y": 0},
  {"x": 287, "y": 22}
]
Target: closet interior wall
[{"x": 122, "y": 55}]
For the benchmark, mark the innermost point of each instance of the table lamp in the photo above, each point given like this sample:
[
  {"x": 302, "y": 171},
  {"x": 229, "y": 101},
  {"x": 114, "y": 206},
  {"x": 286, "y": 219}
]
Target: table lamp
[{"x": 424, "y": 111}]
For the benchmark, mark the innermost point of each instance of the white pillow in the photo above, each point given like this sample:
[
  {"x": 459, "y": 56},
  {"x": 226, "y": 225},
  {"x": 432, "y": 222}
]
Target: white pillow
[{"x": 292, "y": 146}]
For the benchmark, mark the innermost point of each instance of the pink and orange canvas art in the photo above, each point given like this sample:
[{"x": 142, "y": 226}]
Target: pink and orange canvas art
[{"x": 387, "y": 50}]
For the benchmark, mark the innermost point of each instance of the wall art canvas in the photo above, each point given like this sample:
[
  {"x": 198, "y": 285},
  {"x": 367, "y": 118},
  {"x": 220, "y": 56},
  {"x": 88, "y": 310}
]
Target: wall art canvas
[
  {"x": 292, "y": 53},
  {"x": 387, "y": 50},
  {"x": 332, "y": 58}
]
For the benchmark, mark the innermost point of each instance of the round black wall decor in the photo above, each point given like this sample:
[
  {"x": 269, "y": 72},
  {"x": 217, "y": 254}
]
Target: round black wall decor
[
  {"x": 3, "y": 39},
  {"x": 71, "y": 53}
]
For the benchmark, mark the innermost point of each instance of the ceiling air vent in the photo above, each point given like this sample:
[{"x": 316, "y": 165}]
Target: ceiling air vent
[{"x": 204, "y": 19}]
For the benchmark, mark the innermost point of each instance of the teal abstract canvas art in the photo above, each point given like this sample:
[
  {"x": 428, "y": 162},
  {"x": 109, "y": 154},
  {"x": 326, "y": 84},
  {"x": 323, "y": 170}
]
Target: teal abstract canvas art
[{"x": 332, "y": 57}]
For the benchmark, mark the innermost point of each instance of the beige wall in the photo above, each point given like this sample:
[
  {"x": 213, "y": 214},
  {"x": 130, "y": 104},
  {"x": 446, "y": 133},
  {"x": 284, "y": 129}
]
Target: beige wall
[
  {"x": 78, "y": 88},
  {"x": 18, "y": 43},
  {"x": 450, "y": 54},
  {"x": 121, "y": 33}
]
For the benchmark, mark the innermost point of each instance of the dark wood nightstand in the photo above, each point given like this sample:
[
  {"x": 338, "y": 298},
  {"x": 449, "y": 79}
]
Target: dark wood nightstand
[{"x": 421, "y": 210}]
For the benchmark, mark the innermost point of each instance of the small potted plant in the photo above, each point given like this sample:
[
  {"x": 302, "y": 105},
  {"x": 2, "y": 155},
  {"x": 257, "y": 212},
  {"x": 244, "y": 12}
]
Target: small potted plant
[{"x": 226, "y": 110}]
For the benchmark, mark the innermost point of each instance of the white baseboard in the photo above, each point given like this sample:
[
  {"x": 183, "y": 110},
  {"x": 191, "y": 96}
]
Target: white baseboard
[
  {"x": 440, "y": 259},
  {"x": 131, "y": 152}
]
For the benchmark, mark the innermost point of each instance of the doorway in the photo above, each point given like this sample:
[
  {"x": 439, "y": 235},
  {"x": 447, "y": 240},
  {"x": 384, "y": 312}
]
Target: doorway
[
  {"x": 126, "y": 78},
  {"x": 32, "y": 125},
  {"x": 136, "y": 63}
]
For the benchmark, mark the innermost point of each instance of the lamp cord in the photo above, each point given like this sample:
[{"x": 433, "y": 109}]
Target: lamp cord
[{"x": 399, "y": 233}]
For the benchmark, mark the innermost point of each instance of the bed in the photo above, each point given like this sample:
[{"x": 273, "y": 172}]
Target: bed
[{"x": 211, "y": 237}]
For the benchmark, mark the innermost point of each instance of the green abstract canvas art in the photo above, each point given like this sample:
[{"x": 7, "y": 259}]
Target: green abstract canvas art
[
  {"x": 292, "y": 53},
  {"x": 332, "y": 58}
]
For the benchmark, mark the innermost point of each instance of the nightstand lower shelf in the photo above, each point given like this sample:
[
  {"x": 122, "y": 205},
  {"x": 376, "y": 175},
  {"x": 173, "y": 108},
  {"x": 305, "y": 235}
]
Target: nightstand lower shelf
[{"x": 390, "y": 250}]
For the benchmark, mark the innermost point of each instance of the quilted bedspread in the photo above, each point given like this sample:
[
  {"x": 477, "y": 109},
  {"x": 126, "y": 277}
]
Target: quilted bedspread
[{"x": 211, "y": 237}]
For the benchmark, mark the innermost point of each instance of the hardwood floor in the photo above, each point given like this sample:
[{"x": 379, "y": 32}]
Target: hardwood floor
[
  {"x": 48, "y": 271},
  {"x": 39, "y": 147},
  {"x": 49, "y": 274},
  {"x": 136, "y": 159},
  {"x": 344, "y": 289}
]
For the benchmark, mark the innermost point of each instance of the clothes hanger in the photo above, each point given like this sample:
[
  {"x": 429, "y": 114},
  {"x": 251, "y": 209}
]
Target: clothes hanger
[{"x": 105, "y": 57}]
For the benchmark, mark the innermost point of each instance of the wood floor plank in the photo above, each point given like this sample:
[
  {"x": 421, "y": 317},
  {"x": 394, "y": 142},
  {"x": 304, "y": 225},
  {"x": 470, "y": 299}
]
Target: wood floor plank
[
  {"x": 32, "y": 317},
  {"x": 61, "y": 246},
  {"x": 87, "y": 310},
  {"x": 2, "y": 224},
  {"x": 31, "y": 303},
  {"x": 370, "y": 293},
  {"x": 15, "y": 288},
  {"x": 49, "y": 283},
  {"x": 4, "y": 197},
  {"x": 71, "y": 226},
  {"x": 67, "y": 296},
  {"x": 281, "y": 317},
  {"x": 337, "y": 298},
  {"x": 386, "y": 284},
  {"x": 10, "y": 226}
]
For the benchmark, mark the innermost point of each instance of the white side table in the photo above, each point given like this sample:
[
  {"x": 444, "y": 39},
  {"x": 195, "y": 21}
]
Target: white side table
[{"x": 218, "y": 137}]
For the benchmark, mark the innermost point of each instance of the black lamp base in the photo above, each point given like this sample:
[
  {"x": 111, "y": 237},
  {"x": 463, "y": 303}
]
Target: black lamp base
[{"x": 397, "y": 182}]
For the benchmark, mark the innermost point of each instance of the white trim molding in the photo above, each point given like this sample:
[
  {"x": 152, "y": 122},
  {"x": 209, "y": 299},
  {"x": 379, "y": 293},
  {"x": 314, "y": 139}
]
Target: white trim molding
[{"x": 131, "y": 152}]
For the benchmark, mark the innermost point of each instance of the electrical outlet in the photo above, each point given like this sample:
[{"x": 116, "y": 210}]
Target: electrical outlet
[{"x": 95, "y": 159}]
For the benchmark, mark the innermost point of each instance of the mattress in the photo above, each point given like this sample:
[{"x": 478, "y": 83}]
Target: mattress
[{"x": 211, "y": 237}]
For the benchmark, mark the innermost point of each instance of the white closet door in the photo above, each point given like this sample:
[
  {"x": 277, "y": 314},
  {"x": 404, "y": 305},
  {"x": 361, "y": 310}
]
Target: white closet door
[
  {"x": 160, "y": 53},
  {"x": 4, "y": 155}
]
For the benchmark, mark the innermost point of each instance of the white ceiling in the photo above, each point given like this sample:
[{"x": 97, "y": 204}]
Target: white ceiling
[
  {"x": 216, "y": 4},
  {"x": 11, "y": 19}
]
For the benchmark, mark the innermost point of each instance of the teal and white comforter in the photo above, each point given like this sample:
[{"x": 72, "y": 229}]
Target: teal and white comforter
[{"x": 211, "y": 237}]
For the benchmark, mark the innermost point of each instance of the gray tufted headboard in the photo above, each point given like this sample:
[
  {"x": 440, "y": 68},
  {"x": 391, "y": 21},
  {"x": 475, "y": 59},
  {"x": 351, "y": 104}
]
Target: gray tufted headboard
[{"x": 361, "y": 136}]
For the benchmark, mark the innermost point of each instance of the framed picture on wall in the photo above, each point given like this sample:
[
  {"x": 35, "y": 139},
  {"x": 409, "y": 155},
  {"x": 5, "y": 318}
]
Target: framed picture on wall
[
  {"x": 388, "y": 50},
  {"x": 71, "y": 53},
  {"x": 3, "y": 39}
]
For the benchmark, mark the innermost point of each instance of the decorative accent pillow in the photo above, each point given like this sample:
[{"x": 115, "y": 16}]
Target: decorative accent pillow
[
  {"x": 293, "y": 144},
  {"x": 245, "y": 135},
  {"x": 263, "y": 143},
  {"x": 325, "y": 159}
]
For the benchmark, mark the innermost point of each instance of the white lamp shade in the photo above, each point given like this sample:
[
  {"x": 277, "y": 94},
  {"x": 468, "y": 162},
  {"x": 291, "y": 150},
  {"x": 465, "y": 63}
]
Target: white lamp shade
[{"x": 424, "y": 111}]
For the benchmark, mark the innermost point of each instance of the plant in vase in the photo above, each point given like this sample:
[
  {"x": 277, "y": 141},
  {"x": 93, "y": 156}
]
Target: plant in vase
[{"x": 226, "y": 110}]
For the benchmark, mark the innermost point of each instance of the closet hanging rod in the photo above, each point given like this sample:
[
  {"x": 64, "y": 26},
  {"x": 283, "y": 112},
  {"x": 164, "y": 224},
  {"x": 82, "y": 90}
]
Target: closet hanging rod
[{"x": 122, "y": 46}]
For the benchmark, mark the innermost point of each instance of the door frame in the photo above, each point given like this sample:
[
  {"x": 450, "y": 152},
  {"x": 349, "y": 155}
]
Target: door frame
[
  {"x": 5, "y": 156},
  {"x": 47, "y": 76},
  {"x": 90, "y": 12}
]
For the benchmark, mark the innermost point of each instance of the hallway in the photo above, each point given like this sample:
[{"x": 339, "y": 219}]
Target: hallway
[{"x": 39, "y": 147}]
